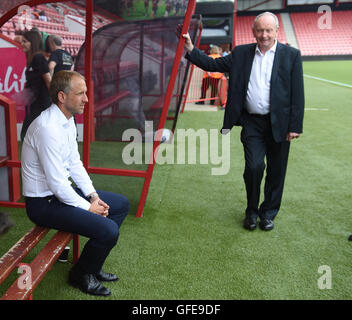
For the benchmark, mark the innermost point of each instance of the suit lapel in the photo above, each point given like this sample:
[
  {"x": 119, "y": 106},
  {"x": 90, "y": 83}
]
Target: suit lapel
[
  {"x": 249, "y": 63},
  {"x": 276, "y": 63}
]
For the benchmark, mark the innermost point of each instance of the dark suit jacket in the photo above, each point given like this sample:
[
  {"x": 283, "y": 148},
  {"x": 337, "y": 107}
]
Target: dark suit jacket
[{"x": 286, "y": 89}]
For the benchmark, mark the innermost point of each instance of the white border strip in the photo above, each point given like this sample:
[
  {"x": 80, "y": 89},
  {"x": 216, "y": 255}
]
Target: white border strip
[
  {"x": 316, "y": 109},
  {"x": 329, "y": 81}
]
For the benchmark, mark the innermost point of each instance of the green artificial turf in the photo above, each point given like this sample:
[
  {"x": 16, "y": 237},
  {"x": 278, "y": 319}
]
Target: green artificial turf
[
  {"x": 339, "y": 71},
  {"x": 190, "y": 244}
]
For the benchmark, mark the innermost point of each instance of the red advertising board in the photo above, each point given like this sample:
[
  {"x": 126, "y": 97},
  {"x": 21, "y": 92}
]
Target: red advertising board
[{"x": 12, "y": 77}]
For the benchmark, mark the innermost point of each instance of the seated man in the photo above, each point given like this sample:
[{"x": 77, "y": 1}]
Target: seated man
[{"x": 49, "y": 158}]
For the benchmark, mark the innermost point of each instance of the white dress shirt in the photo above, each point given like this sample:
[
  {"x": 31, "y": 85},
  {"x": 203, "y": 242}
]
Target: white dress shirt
[
  {"x": 258, "y": 93},
  {"x": 50, "y": 157}
]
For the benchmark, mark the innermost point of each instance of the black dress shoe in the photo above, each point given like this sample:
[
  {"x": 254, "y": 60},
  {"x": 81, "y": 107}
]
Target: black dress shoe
[
  {"x": 88, "y": 283},
  {"x": 266, "y": 224},
  {"x": 250, "y": 223},
  {"x": 103, "y": 276}
]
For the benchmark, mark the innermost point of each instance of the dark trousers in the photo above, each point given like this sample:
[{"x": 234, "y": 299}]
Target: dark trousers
[
  {"x": 102, "y": 232},
  {"x": 258, "y": 144},
  {"x": 206, "y": 82}
]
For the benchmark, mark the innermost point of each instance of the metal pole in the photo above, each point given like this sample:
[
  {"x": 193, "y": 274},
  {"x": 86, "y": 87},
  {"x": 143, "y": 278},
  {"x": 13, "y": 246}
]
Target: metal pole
[{"x": 88, "y": 121}]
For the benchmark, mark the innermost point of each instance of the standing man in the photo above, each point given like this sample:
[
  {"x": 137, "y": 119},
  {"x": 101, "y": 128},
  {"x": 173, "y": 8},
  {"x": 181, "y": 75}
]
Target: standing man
[
  {"x": 49, "y": 158},
  {"x": 266, "y": 98},
  {"x": 59, "y": 59}
]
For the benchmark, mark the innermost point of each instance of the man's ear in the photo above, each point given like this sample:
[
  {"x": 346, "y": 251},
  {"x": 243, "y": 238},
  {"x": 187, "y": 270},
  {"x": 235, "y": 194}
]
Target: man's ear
[{"x": 61, "y": 96}]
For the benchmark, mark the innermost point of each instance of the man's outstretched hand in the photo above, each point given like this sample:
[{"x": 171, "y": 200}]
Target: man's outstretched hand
[{"x": 188, "y": 42}]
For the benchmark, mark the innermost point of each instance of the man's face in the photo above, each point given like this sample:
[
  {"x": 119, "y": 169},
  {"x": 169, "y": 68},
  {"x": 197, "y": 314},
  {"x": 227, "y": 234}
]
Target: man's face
[
  {"x": 265, "y": 32},
  {"x": 76, "y": 99}
]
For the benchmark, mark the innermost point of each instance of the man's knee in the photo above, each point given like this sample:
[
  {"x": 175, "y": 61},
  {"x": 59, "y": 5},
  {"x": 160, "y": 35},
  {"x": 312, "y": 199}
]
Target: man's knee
[
  {"x": 254, "y": 168},
  {"x": 110, "y": 234},
  {"x": 118, "y": 203}
]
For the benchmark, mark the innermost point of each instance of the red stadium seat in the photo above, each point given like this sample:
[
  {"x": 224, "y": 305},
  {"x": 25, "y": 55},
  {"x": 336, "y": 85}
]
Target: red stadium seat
[{"x": 313, "y": 40}]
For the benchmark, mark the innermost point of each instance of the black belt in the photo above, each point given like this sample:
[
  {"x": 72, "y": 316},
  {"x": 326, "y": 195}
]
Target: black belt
[
  {"x": 260, "y": 116},
  {"x": 44, "y": 198}
]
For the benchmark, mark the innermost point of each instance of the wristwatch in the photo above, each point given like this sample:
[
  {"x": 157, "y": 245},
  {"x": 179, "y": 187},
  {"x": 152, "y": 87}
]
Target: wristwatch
[{"x": 92, "y": 195}]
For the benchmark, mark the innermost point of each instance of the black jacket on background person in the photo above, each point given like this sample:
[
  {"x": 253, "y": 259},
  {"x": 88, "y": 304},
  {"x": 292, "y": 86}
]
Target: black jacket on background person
[
  {"x": 63, "y": 60},
  {"x": 36, "y": 90}
]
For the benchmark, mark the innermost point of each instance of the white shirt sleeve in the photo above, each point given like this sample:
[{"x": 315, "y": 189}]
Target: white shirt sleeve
[
  {"x": 51, "y": 156},
  {"x": 78, "y": 173}
]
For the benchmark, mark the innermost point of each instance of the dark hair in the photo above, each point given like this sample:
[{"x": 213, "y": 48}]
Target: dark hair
[
  {"x": 36, "y": 44},
  {"x": 61, "y": 81},
  {"x": 45, "y": 39}
]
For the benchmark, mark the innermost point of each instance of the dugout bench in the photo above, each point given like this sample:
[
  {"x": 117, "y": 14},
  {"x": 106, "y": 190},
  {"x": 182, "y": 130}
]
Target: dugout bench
[{"x": 34, "y": 272}]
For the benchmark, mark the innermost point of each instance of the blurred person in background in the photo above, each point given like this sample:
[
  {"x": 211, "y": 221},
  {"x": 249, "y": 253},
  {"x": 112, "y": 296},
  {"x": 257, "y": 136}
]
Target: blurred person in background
[
  {"x": 59, "y": 59},
  {"x": 211, "y": 79},
  {"x": 37, "y": 79}
]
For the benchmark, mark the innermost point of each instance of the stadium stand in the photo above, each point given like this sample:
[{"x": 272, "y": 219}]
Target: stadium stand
[
  {"x": 72, "y": 41},
  {"x": 313, "y": 40}
]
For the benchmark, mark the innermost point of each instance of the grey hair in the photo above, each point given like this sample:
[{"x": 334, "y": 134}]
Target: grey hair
[
  {"x": 56, "y": 39},
  {"x": 266, "y": 13}
]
